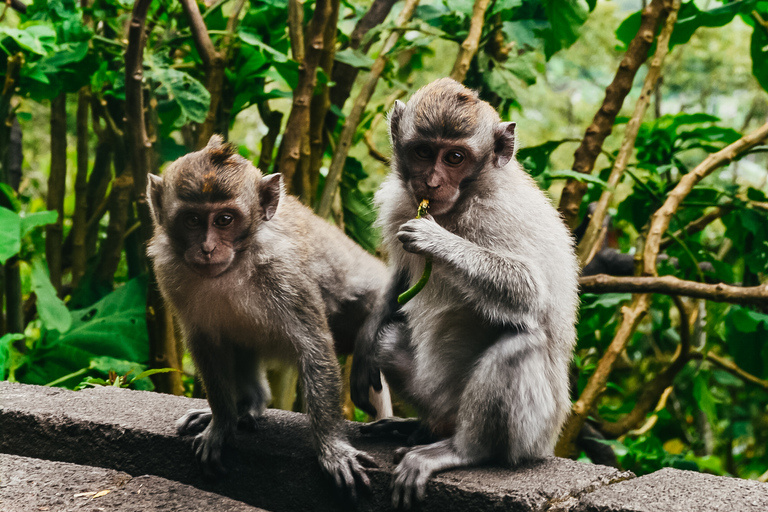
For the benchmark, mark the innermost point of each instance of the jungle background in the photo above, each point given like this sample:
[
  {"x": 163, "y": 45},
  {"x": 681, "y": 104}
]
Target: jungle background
[{"x": 644, "y": 120}]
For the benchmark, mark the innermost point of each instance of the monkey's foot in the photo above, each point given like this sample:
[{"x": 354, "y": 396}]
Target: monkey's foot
[
  {"x": 409, "y": 483},
  {"x": 194, "y": 421},
  {"x": 209, "y": 446},
  {"x": 248, "y": 420},
  {"x": 345, "y": 465}
]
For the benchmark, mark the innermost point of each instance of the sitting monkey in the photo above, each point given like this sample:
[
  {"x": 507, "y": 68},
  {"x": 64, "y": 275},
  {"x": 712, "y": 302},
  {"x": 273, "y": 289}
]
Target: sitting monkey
[
  {"x": 483, "y": 350},
  {"x": 252, "y": 274}
]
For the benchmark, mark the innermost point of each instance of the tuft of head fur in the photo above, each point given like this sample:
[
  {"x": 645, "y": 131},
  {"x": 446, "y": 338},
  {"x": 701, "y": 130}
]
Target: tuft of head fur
[
  {"x": 215, "y": 173},
  {"x": 442, "y": 110}
]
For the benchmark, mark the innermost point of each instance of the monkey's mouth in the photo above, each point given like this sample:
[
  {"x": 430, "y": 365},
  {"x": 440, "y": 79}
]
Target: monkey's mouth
[{"x": 210, "y": 269}]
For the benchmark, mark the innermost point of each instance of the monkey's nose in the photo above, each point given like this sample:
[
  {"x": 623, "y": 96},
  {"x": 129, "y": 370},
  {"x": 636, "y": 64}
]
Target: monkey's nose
[{"x": 207, "y": 249}]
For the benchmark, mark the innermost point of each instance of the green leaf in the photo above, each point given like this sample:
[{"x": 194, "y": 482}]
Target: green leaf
[
  {"x": 8, "y": 192},
  {"x": 354, "y": 58},
  {"x": 51, "y": 308},
  {"x": 578, "y": 176},
  {"x": 10, "y": 234},
  {"x": 180, "y": 88},
  {"x": 759, "y": 52},
  {"x": 536, "y": 158},
  {"x": 6, "y": 357},
  {"x": 33, "y": 220},
  {"x": 37, "y": 39},
  {"x": 254, "y": 40},
  {"x": 565, "y": 19},
  {"x": 147, "y": 373}
]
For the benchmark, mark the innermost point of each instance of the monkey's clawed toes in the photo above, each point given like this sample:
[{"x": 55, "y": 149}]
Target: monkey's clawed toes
[
  {"x": 400, "y": 453},
  {"x": 193, "y": 422},
  {"x": 346, "y": 470},
  {"x": 209, "y": 447},
  {"x": 409, "y": 485}
]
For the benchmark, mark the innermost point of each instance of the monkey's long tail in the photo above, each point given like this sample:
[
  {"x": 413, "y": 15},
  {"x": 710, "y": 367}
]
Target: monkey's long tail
[{"x": 416, "y": 288}]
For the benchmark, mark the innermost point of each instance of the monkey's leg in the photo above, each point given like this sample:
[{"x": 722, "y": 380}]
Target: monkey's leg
[
  {"x": 252, "y": 386},
  {"x": 218, "y": 375},
  {"x": 507, "y": 411},
  {"x": 319, "y": 371}
]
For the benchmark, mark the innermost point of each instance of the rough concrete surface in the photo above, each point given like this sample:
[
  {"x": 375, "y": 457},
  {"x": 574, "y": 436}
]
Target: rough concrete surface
[
  {"x": 672, "y": 490},
  {"x": 28, "y": 485},
  {"x": 274, "y": 468}
]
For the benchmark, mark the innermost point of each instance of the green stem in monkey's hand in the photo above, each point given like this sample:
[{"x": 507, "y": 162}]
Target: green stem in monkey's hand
[{"x": 413, "y": 290}]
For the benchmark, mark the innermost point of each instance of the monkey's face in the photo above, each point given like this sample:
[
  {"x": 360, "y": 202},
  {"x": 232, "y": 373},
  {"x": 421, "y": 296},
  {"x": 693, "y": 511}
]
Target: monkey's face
[
  {"x": 437, "y": 170},
  {"x": 209, "y": 236}
]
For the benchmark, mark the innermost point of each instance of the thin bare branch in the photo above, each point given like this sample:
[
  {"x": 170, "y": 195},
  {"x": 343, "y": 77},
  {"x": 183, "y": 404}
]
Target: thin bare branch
[
  {"x": 79, "y": 217},
  {"x": 696, "y": 225},
  {"x": 589, "y": 245},
  {"x": 731, "y": 368},
  {"x": 296, "y": 28},
  {"x": 602, "y": 124},
  {"x": 670, "y": 285},
  {"x": 350, "y": 126},
  {"x": 468, "y": 48}
]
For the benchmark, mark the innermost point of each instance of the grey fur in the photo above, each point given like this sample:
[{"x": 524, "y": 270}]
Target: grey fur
[
  {"x": 291, "y": 276},
  {"x": 483, "y": 350}
]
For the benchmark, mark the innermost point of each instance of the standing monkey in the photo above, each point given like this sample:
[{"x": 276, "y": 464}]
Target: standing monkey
[
  {"x": 483, "y": 350},
  {"x": 252, "y": 274}
]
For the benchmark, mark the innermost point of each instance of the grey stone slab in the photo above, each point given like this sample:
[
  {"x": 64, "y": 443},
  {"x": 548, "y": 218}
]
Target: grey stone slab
[
  {"x": 28, "y": 485},
  {"x": 673, "y": 490},
  {"x": 274, "y": 468}
]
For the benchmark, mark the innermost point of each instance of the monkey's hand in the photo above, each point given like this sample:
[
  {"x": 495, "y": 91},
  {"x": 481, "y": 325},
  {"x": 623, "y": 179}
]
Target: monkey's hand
[
  {"x": 365, "y": 375},
  {"x": 344, "y": 464},
  {"x": 423, "y": 236},
  {"x": 194, "y": 421},
  {"x": 209, "y": 446}
]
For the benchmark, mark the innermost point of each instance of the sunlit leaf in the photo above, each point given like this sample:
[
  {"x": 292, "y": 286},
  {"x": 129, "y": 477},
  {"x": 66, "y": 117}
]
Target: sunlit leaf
[{"x": 53, "y": 312}]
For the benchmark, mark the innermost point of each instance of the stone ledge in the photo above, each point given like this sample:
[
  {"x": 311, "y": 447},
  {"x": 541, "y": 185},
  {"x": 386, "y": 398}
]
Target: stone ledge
[
  {"x": 274, "y": 468},
  {"x": 40, "y": 485},
  {"x": 674, "y": 490}
]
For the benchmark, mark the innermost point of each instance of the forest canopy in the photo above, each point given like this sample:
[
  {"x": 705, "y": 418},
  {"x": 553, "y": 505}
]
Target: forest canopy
[{"x": 645, "y": 121}]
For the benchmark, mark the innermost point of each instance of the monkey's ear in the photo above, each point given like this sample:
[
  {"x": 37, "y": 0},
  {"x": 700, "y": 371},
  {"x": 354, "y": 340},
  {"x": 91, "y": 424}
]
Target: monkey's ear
[
  {"x": 155, "y": 196},
  {"x": 215, "y": 141},
  {"x": 395, "y": 116},
  {"x": 269, "y": 194},
  {"x": 504, "y": 143}
]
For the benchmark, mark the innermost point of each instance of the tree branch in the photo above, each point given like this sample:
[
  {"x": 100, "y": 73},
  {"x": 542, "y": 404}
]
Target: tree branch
[
  {"x": 670, "y": 285},
  {"x": 344, "y": 75},
  {"x": 696, "y": 225},
  {"x": 602, "y": 124},
  {"x": 296, "y": 28},
  {"x": 57, "y": 180},
  {"x": 213, "y": 62},
  {"x": 296, "y": 132},
  {"x": 631, "y": 316},
  {"x": 589, "y": 245},
  {"x": 731, "y": 368},
  {"x": 654, "y": 389},
  {"x": 79, "y": 218},
  {"x": 350, "y": 126},
  {"x": 468, "y": 48},
  {"x": 162, "y": 344}
]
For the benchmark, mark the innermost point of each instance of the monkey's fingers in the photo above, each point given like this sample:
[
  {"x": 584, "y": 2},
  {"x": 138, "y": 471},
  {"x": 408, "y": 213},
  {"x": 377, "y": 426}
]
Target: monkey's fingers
[
  {"x": 409, "y": 485},
  {"x": 194, "y": 421},
  {"x": 366, "y": 460},
  {"x": 400, "y": 453},
  {"x": 209, "y": 456}
]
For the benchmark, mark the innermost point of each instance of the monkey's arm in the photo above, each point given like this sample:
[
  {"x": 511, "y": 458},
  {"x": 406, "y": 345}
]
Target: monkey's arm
[
  {"x": 365, "y": 369},
  {"x": 499, "y": 285},
  {"x": 215, "y": 362},
  {"x": 319, "y": 372}
]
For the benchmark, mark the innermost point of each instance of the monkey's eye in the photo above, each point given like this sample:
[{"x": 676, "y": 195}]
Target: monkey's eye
[
  {"x": 192, "y": 221},
  {"x": 454, "y": 157},
  {"x": 424, "y": 152},
  {"x": 223, "y": 220}
]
